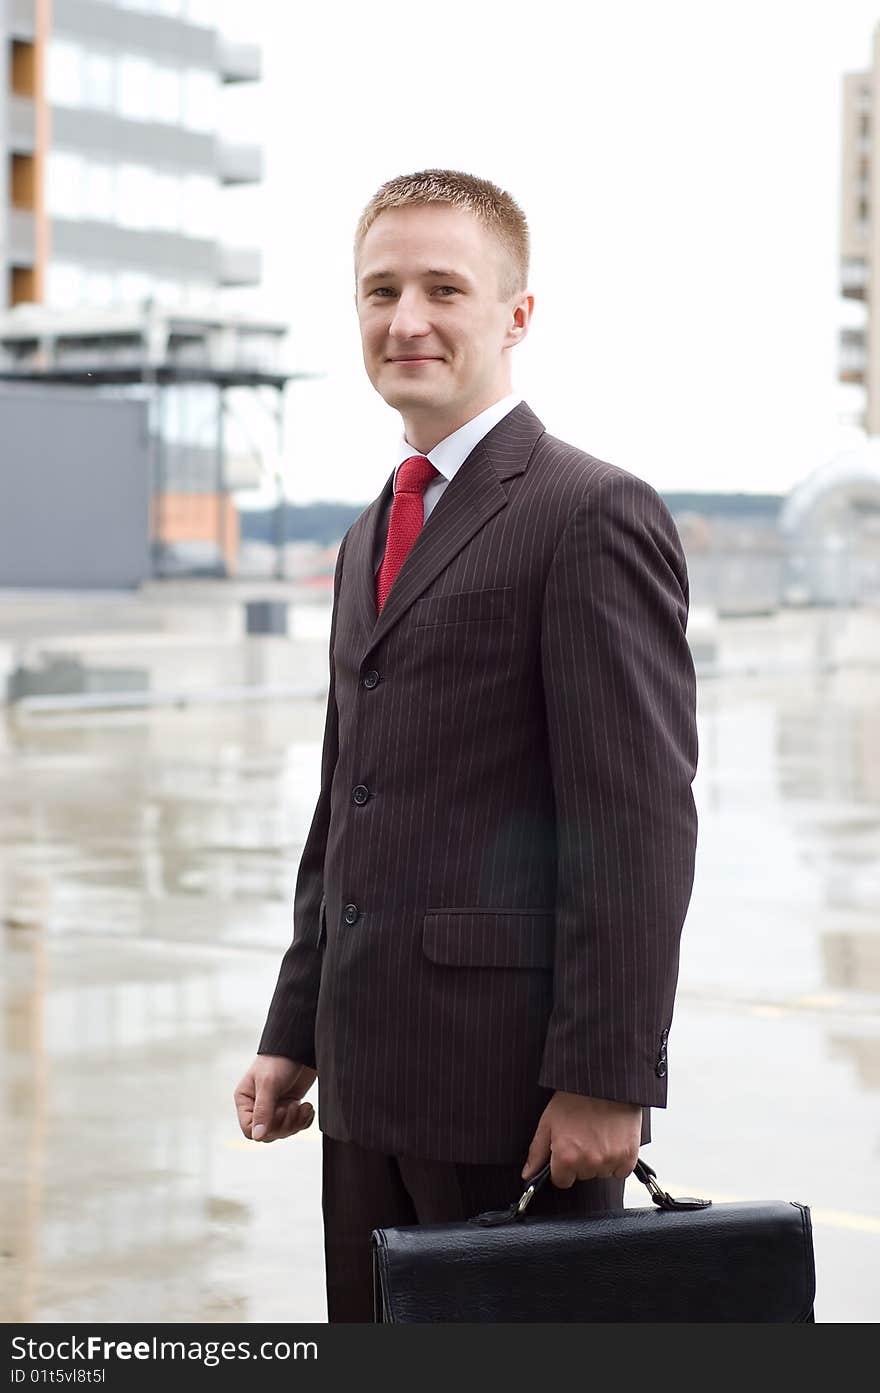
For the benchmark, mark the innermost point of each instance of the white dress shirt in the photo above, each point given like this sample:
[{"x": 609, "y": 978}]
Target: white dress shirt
[{"x": 447, "y": 456}]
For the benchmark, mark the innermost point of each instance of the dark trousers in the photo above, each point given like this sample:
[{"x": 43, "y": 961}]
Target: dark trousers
[{"x": 364, "y": 1190}]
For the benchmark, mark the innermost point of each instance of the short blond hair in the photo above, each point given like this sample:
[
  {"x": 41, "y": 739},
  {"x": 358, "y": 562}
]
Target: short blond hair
[{"x": 497, "y": 210}]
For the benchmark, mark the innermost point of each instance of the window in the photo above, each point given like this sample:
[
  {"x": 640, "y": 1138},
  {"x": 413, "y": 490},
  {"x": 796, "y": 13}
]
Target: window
[
  {"x": 200, "y": 206},
  {"x": 135, "y": 196},
  {"x": 99, "y": 80},
  {"x": 64, "y": 184},
  {"x": 133, "y": 286},
  {"x": 64, "y": 73},
  {"x": 200, "y": 100},
  {"x": 100, "y": 192},
  {"x": 135, "y": 88},
  {"x": 168, "y": 292},
  {"x": 167, "y": 95},
  {"x": 99, "y": 288},
  {"x": 202, "y": 12},
  {"x": 64, "y": 285},
  {"x": 167, "y": 201}
]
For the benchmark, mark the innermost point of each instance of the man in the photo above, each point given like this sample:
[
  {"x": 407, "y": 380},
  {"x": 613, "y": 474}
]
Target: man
[{"x": 490, "y": 898}]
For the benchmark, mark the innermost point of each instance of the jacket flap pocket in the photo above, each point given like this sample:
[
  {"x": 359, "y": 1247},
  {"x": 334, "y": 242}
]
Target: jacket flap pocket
[
  {"x": 468, "y": 606},
  {"x": 489, "y": 937}
]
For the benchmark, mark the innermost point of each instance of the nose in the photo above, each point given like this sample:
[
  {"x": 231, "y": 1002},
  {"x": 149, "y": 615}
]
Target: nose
[{"x": 408, "y": 320}]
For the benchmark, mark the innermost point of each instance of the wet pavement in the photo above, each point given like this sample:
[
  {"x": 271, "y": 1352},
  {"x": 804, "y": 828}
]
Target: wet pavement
[{"x": 147, "y": 863}]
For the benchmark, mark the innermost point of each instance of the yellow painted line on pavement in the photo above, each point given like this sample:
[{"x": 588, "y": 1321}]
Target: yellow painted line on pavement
[{"x": 826, "y": 1218}]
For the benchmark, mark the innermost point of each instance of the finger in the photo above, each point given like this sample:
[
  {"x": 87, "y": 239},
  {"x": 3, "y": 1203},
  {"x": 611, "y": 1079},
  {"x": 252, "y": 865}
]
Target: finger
[
  {"x": 623, "y": 1169},
  {"x": 246, "y": 1117},
  {"x": 293, "y": 1116},
  {"x": 562, "y": 1173},
  {"x": 264, "y": 1109},
  {"x": 243, "y": 1098},
  {"x": 289, "y": 1118}
]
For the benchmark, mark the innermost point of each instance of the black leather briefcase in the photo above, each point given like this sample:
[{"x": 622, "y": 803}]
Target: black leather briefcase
[{"x": 684, "y": 1260}]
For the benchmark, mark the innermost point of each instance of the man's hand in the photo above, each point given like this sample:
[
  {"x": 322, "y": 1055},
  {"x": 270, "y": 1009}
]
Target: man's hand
[
  {"x": 585, "y": 1138},
  {"x": 268, "y": 1098}
]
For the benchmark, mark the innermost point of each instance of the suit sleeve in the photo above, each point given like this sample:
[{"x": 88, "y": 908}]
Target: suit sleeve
[
  {"x": 620, "y": 698},
  {"x": 290, "y": 1022}
]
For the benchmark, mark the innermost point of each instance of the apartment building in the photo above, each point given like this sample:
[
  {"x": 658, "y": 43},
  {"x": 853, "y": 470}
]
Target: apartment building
[
  {"x": 113, "y": 170},
  {"x": 112, "y": 259},
  {"x": 859, "y": 361}
]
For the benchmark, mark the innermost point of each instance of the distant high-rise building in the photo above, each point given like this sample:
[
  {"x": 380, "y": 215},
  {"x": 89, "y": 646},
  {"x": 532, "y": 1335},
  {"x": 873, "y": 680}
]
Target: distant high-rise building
[
  {"x": 860, "y": 234},
  {"x": 113, "y": 169}
]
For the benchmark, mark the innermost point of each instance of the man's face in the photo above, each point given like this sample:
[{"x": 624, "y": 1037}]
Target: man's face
[{"x": 433, "y": 330}]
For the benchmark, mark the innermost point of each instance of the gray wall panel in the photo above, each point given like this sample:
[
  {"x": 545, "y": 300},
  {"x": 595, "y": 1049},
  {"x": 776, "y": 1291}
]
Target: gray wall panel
[
  {"x": 21, "y": 17},
  {"x": 172, "y": 254},
  {"x": 142, "y": 142},
  {"x": 74, "y": 490},
  {"x": 159, "y": 35},
  {"x": 22, "y": 122},
  {"x": 22, "y": 237}
]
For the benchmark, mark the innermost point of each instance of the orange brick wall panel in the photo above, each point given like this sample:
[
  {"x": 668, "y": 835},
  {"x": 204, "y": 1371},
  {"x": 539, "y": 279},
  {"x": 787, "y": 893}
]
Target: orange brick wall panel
[
  {"x": 22, "y": 285},
  {"x": 23, "y": 69},
  {"x": 197, "y": 517},
  {"x": 24, "y": 182}
]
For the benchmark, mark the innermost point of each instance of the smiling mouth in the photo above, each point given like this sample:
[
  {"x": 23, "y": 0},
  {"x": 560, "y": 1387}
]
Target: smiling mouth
[{"x": 415, "y": 360}]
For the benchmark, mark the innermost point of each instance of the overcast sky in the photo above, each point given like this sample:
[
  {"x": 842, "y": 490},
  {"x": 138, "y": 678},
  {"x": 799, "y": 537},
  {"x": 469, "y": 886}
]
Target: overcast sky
[{"x": 679, "y": 166}]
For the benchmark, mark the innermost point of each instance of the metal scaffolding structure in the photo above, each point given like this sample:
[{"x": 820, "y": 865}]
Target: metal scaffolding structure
[{"x": 155, "y": 352}]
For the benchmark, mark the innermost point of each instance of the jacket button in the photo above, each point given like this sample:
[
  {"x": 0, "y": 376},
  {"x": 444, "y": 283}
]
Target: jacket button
[
  {"x": 351, "y": 914},
  {"x": 665, "y": 1036},
  {"x": 360, "y": 794},
  {"x": 371, "y": 679},
  {"x": 660, "y": 1068}
]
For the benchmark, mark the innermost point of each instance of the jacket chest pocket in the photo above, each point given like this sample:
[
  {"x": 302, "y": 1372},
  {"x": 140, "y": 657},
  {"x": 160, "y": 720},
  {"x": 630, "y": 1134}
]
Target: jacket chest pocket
[{"x": 471, "y": 607}]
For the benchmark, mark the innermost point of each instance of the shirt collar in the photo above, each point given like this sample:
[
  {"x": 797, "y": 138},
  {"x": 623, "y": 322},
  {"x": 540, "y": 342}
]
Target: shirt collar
[{"x": 449, "y": 454}]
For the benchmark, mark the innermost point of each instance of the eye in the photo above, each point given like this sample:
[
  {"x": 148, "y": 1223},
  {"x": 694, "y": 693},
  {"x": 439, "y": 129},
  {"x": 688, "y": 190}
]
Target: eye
[{"x": 383, "y": 290}]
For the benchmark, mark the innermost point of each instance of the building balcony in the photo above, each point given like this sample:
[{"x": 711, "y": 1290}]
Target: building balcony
[
  {"x": 22, "y": 240},
  {"x": 238, "y": 62},
  {"x": 239, "y": 164},
  {"x": 855, "y": 275},
  {"x": 238, "y": 266},
  {"x": 853, "y": 360},
  {"x": 21, "y": 125}
]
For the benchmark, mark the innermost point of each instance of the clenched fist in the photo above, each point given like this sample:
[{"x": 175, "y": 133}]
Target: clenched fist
[{"x": 268, "y": 1099}]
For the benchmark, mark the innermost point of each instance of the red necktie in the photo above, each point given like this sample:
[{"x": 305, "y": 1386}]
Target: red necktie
[{"x": 407, "y": 520}]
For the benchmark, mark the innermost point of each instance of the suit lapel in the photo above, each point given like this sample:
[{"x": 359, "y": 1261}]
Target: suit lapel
[{"x": 474, "y": 495}]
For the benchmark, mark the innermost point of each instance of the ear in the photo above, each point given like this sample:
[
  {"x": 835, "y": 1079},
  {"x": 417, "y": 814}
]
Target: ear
[{"x": 522, "y": 314}]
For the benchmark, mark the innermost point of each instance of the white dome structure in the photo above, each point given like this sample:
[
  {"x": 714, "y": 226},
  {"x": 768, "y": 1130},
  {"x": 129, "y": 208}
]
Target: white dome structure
[
  {"x": 831, "y": 521},
  {"x": 851, "y": 480}
]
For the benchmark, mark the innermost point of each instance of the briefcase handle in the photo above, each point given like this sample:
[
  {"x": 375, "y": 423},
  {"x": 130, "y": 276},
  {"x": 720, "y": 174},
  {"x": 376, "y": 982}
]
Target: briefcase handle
[{"x": 642, "y": 1172}]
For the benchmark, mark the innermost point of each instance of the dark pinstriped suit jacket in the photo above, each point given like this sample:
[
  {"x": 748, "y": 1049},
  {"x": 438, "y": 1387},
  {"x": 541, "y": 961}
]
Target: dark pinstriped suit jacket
[{"x": 490, "y": 898}]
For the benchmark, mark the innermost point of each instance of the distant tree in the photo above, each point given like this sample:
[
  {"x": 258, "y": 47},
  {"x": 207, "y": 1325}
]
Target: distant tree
[
  {"x": 303, "y": 522},
  {"x": 326, "y": 522}
]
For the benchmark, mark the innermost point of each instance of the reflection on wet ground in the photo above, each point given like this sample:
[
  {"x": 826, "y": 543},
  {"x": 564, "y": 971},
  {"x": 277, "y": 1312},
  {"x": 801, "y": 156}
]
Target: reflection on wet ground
[{"x": 146, "y": 876}]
